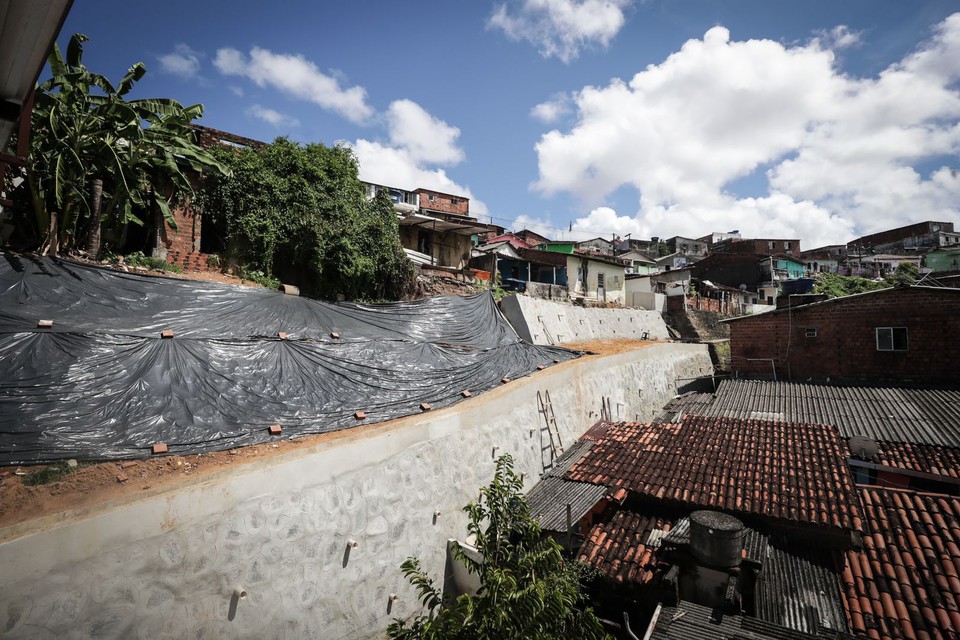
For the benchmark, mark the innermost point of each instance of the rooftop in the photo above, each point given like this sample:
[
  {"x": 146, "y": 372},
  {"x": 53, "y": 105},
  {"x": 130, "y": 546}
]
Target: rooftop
[
  {"x": 688, "y": 621},
  {"x": 919, "y": 416},
  {"x": 787, "y": 471},
  {"x": 904, "y": 583},
  {"x": 621, "y": 546},
  {"x": 549, "y": 498}
]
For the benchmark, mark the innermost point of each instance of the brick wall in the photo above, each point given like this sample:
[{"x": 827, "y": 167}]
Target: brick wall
[
  {"x": 845, "y": 344},
  {"x": 762, "y": 247},
  {"x": 183, "y": 243},
  {"x": 700, "y": 303},
  {"x": 900, "y": 233},
  {"x": 457, "y": 205}
]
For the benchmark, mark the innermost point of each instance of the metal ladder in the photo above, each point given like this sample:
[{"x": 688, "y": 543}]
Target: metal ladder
[{"x": 545, "y": 408}]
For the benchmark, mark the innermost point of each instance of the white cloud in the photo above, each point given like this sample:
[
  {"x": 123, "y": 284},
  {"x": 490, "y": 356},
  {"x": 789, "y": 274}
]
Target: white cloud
[
  {"x": 298, "y": 77},
  {"x": 397, "y": 167},
  {"x": 839, "y": 37},
  {"x": 553, "y": 109},
  {"x": 426, "y": 138},
  {"x": 839, "y": 151},
  {"x": 561, "y": 28},
  {"x": 270, "y": 116},
  {"x": 182, "y": 61}
]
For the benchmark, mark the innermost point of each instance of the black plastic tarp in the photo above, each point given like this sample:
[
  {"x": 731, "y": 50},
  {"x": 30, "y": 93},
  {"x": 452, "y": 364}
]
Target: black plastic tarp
[{"x": 103, "y": 384}]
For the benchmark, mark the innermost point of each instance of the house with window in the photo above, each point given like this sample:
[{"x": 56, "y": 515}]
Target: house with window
[
  {"x": 824, "y": 259},
  {"x": 596, "y": 278},
  {"x": 639, "y": 263},
  {"x": 759, "y": 246},
  {"x": 600, "y": 246},
  {"x": 687, "y": 246},
  {"x": 916, "y": 237},
  {"x": 436, "y": 229},
  {"x": 898, "y": 334},
  {"x": 943, "y": 260}
]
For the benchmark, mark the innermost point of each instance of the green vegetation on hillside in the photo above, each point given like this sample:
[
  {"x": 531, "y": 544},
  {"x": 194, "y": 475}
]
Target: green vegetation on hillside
[
  {"x": 299, "y": 213},
  {"x": 836, "y": 286}
]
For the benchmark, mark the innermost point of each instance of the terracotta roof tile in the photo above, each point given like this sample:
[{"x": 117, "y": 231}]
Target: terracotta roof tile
[
  {"x": 618, "y": 546},
  {"x": 788, "y": 471},
  {"x": 935, "y": 459},
  {"x": 904, "y": 584}
]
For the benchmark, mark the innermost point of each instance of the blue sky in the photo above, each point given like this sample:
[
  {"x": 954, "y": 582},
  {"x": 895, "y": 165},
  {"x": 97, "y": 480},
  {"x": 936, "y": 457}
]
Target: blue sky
[{"x": 818, "y": 120}]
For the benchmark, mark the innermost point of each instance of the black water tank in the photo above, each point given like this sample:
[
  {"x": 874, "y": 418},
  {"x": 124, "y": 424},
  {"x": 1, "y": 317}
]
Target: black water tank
[{"x": 716, "y": 539}]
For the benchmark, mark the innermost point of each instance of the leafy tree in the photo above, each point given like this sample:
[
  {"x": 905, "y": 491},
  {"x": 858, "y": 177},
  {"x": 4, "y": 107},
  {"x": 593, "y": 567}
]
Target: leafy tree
[
  {"x": 95, "y": 155},
  {"x": 528, "y": 590},
  {"x": 300, "y": 213}
]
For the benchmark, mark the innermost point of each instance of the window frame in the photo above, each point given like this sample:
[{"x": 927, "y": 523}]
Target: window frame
[{"x": 891, "y": 339}]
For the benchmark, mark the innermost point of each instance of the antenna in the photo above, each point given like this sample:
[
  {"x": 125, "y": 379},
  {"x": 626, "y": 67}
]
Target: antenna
[{"x": 863, "y": 447}]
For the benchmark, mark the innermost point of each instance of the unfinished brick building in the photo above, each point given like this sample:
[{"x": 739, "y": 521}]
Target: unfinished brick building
[{"x": 903, "y": 333}]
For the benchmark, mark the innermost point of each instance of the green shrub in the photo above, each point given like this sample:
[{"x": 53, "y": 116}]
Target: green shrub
[
  {"x": 138, "y": 259},
  {"x": 300, "y": 214}
]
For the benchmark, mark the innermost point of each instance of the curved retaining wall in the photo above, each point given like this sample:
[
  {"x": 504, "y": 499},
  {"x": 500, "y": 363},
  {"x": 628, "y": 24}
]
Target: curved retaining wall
[
  {"x": 166, "y": 564},
  {"x": 545, "y": 322}
]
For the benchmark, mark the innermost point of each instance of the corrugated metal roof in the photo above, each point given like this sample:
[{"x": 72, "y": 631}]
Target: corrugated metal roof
[
  {"x": 569, "y": 458},
  {"x": 548, "y": 501},
  {"x": 691, "y": 621},
  {"x": 922, "y": 416},
  {"x": 797, "y": 587}
]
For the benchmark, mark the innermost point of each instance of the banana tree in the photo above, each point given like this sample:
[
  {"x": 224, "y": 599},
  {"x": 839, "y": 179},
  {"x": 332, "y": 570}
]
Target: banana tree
[{"x": 89, "y": 143}]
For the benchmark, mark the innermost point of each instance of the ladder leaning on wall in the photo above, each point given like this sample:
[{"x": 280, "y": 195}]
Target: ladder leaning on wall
[{"x": 545, "y": 408}]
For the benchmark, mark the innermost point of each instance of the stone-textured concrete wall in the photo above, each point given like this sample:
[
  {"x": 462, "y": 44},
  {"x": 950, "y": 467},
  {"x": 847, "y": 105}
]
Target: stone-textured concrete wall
[
  {"x": 165, "y": 564},
  {"x": 546, "y": 322}
]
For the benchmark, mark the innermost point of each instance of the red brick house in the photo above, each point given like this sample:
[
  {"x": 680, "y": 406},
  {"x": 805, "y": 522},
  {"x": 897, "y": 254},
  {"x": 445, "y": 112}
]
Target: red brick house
[{"x": 903, "y": 333}]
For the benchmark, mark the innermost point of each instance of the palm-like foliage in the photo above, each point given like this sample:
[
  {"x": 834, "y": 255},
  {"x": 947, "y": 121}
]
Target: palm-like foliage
[
  {"x": 528, "y": 590},
  {"x": 86, "y": 132}
]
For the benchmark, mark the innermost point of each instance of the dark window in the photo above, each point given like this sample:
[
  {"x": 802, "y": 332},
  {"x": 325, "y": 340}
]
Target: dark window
[
  {"x": 811, "y": 332},
  {"x": 891, "y": 338},
  {"x": 599, "y": 279}
]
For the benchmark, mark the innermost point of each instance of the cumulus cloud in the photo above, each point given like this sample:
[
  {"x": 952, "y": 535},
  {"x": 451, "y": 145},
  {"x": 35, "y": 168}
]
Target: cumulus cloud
[
  {"x": 182, "y": 61},
  {"x": 298, "y": 77},
  {"x": 553, "y": 109},
  {"x": 398, "y": 167},
  {"x": 839, "y": 152},
  {"x": 561, "y": 28},
  {"x": 270, "y": 116},
  {"x": 425, "y": 138}
]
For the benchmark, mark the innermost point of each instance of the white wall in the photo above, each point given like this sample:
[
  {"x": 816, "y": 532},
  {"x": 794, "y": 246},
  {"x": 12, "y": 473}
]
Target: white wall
[
  {"x": 614, "y": 278},
  {"x": 545, "y": 322},
  {"x": 163, "y": 564},
  {"x": 650, "y": 301}
]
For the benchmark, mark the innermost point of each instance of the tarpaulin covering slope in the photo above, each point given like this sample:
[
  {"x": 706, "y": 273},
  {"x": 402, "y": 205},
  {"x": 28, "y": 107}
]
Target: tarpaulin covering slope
[{"x": 103, "y": 384}]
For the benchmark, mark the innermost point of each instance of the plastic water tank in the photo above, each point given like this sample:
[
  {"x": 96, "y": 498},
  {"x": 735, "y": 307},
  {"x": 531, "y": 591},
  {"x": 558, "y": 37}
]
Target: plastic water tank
[{"x": 716, "y": 539}]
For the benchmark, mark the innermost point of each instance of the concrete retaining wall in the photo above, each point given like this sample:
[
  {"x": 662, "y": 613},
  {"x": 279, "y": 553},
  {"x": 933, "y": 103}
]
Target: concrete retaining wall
[
  {"x": 165, "y": 564},
  {"x": 545, "y": 322}
]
